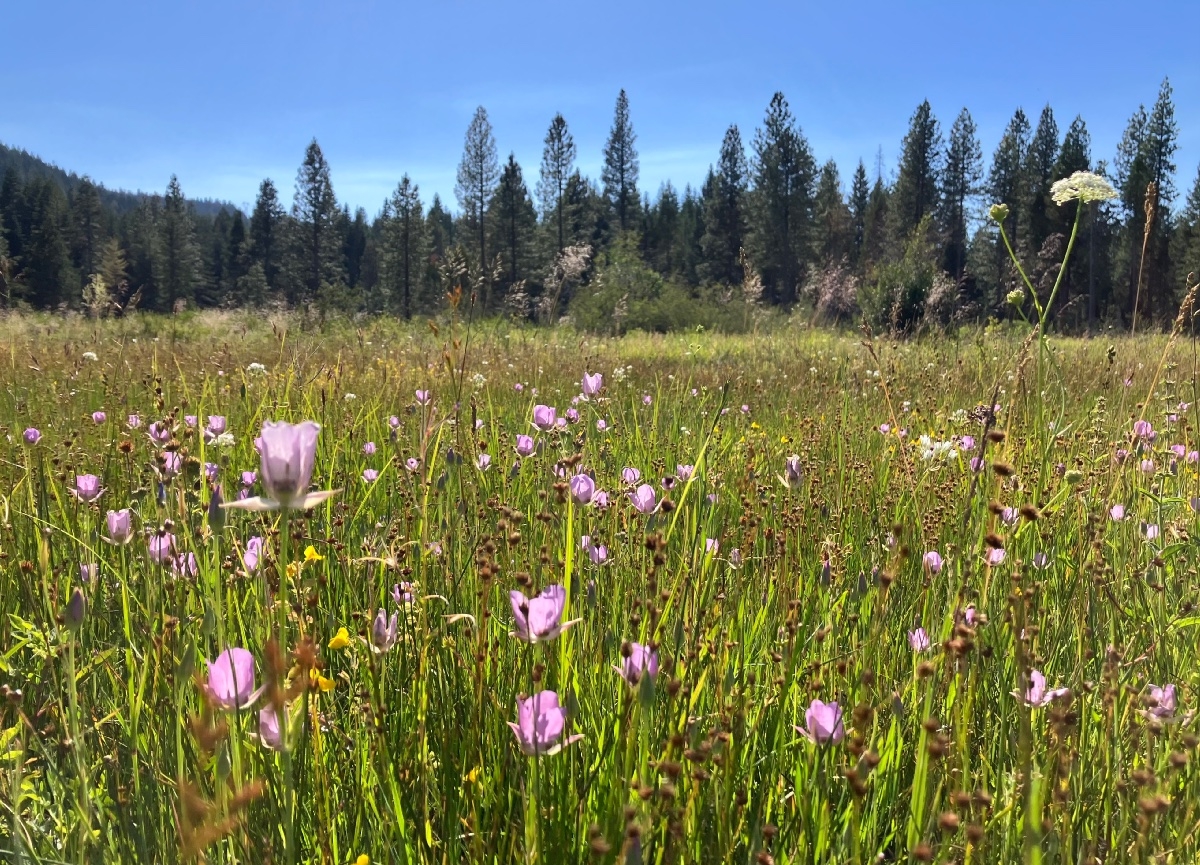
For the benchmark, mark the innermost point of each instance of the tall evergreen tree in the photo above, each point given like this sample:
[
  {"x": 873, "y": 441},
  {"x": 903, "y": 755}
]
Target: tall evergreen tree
[
  {"x": 87, "y": 224},
  {"x": 404, "y": 246},
  {"x": 46, "y": 263},
  {"x": 1186, "y": 242},
  {"x": 784, "y": 172},
  {"x": 439, "y": 233},
  {"x": 875, "y": 231},
  {"x": 660, "y": 236},
  {"x": 832, "y": 218},
  {"x": 317, "y": 247},
  {"x": 724, "y": 203},
  {"x": 178, "y": 262},
  {"x": 266, "y": 233},
  {"x": 558, "y": 161},
  {"x": 513, "y": 220},
  {"x": 916, "y": 192},
  {"x": 354, "y": 246},
  {"x": 691, "y": 231},
  {"x": 1037, "y": 175},
  {"x": 960, "y": 184},
  {"x": 1004, "y": 187},
  {"x": 478, "y": 174},
  {"x": 860, "y": 199},
  {"x": 620, "y": 172}
]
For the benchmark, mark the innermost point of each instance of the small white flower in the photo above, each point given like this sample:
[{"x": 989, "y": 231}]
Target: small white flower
[
  {"x": 350, "y": 397},
  {"x": 90, "y": 355},
  {"x": 224, "y": 440},
  {"x": 256, "y": 369},
  {"x": 478, "y": 380}
]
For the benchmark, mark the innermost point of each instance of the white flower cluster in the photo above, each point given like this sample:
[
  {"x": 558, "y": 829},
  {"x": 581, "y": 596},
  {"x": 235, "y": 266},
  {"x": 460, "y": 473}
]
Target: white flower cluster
[
  {"x": 90, "y": 355},
  {"x": 478, "y": 380},
  {"x": 937, "y": 450},
  {"x": 621, "y": 372},
  {"x": 224, "y": 440},
  {"x": 1082, "y": 186},
  {"x": 256, "y": 369}
]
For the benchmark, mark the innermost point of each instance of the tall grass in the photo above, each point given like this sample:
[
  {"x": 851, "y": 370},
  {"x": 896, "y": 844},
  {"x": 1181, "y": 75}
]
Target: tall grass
[{"x": 110, "y": 750}]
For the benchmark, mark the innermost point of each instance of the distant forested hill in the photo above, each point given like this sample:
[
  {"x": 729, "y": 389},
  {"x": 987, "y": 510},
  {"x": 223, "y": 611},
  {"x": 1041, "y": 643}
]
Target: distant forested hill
[{"x": 29, "y": 167}]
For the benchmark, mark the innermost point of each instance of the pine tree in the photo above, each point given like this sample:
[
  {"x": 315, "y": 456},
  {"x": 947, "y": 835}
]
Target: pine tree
[
  {"x": 316, "y": 246},
  {"x": 235, "y": 251},
  {"x": 860, "y": 199},
  {"x": 87, "y": 224},
  {"x": 660, "y": 235},
  {"x": 1037, "y": 175},
  {"x": 1074, "y": 154},
  {"x": 960, "y": 184},
  {"x": 833, "y": 221},
  {"x": 178, "y": 263},
  {"x": 916, "y": 192},
  {"x": 513, "y": 221},
  {"x": 439, "y": 231},
  {"x": 478, "y": 173},
  {"x": 620, "y": 172},
  {"x": 1158, "y": 154},
  {"x": 354, "y": 246},
  {"x": 784, "y": 171},
  {"x": 558, "y": 161},
  {"x": 46, "y": 263},
  {"x": 112, "y": 269},
  {"x": 1004, "y": 187},
  {"x": 724, "y": 203},
  {"x": 875, "y": 232},
  {"x": 1186, "y": 242},
  {"x": 266, "y": 233},
  {"x": 404, "y": 247},
  {"x": 691, "y": 231}
]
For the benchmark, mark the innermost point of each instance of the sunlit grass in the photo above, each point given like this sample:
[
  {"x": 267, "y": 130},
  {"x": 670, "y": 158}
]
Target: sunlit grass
[{"x": 761, "y": 586}]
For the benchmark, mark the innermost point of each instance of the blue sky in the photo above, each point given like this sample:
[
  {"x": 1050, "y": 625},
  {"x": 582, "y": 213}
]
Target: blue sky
[{"x": 226, "y": 93}]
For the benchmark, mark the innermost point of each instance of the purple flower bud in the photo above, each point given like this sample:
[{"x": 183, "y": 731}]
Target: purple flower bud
[
  {"x": 185, "y": 565},
  {"x": 582, "y": 489},
  {"x": 1142, "y": 429},
  {"x": 643, "y": 499},
  {"x": 412, "y": 464},
  {"x": 592, "y": 383},
  {"x": 919, "y": 641},
  {"x": 994, "y": 556},
  {"x": 544, "y": 417},
  {"x": 383, "y": 632},
  {"x": 646, "y": 399},
  {"x": 684, "y": 472},
  {"x": 252, "y": 555},
  {"x": 370, "y": 475},
  {"x": 572, "y": 415},
  {"x": 630, "y": 476},
  {"x": 712, "y": 546},
  {"x": 120, "y": 528},
  {"x": 1163, "y": 700},
  {"x": 600, "y": 499},
  {"x": 88, "y": 572},
  {"x": 87, "y": 488},
  {"x": 99, "y": 417},
  {"x": 823, "y": 723},
  {"x": 394, "y": 422},
  {"x": 525, "y": 445},
  {"x": 402, "y": 593},
  {"x": 483, "y": 462},
  {"x": 231, "y": 679},
  {"x": 249, "y": 479},
  {"x": 933, "y": 561},
  {"x": 735, "y": 558},
  {"x": 134, "y": 421},
  {"x": 190, "y": 420},
  {"x": 539, "y": 619},
  {"x": 216, "y": 425},
  {"x": 32, "y": 436},
  {"x": 1117, "y": 513},
  {"x": 269, "y": 732},
  {"x": 159, "y": 433},
  {"x": 540, "y": 725},
  {"x": 369, "y": 449},
  {"x": 601, "y": 425},
  {"x": 161, "y": 548},
  {"x": 423, "y": 397},
  {"x": 172, "y": 463},
  {"x": 1036, "y": 694},
  {"x": 212, "y": 471},
  {"x": 75, "y": 610},
  {"x": 640, "y": 661}
]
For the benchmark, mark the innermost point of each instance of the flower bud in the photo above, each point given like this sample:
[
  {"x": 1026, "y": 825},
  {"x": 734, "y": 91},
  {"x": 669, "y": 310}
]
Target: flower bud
[
  {"x": 998, "y": 212},
  {"x": 75, "y": 610},
  {"x": 1016, "y": 297}
]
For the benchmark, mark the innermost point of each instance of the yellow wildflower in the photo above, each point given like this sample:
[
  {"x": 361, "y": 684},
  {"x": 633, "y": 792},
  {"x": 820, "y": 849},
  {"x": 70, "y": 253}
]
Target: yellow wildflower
[
  {"x": 320, "y": 681},
  {"x": 293, "y": 569},
  {"x": 311, "y": 555},
  {"x": 341, "y": 639},
  {"x": 363, "y": 859}
]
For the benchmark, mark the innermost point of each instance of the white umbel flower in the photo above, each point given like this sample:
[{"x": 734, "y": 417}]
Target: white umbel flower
[{"x": 1082, "y": 186}]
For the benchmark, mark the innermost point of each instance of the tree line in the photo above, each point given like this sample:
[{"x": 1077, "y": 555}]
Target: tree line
[{"x": 770, "y": 227}]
